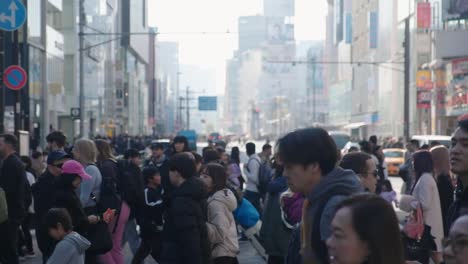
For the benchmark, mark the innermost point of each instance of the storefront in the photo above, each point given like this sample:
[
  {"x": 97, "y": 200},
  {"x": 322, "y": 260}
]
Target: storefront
[{"x": 457, "y": 91}]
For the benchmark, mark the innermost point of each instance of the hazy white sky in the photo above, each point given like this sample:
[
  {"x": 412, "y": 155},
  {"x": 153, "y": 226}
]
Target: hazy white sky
[{"x": 211, "y": 50}]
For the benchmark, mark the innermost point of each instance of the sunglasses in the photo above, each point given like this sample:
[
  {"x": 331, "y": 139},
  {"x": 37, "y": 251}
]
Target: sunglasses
[{"x": 58, "y": 165}]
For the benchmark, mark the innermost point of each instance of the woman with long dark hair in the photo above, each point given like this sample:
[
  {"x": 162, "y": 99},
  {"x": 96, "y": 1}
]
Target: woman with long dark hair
[
  {"x": 440, "y": 158},
  {"x": 426, "y": 192},
  {"x": 107, "y": 164},
  {"x": 222, "y": 202},
  {"x": 365, "y": 231}
]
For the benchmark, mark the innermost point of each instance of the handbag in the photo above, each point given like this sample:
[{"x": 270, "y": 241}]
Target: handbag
[
  {"x": 99, "y": 236},
  {"x": 414, "y": 227}
]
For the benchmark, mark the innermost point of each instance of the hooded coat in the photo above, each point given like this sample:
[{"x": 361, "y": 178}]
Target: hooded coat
[
  {"x": 320, "y": 206},
  {"x": 185, "y": 235},
  {"x": 222, "y": 230},
  {"x": 71, "y": 250},
  {"x": 66, "y": 197}
]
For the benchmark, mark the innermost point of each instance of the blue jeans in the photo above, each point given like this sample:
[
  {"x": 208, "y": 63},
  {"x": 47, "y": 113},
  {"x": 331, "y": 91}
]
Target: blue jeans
[{"x": 254, "y": 199}]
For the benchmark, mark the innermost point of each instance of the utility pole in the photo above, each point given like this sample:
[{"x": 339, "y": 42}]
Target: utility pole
[
  {"x": 407, "y": 64},
  {"x": 187, "y": 108},
  {"x": 314, "y": 68},
  {"x": 81, "y": 51}
]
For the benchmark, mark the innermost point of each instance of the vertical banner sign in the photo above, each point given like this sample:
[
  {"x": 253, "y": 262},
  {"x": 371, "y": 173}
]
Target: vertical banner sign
[
  {"x": 373, "y": 29},
  {"x": 349, "y": 28},
  {"x": 424, "y": 80},
  {"x": 424, "y": 15}
]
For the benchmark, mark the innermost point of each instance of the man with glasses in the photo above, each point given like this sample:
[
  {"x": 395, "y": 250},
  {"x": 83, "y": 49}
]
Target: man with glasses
[
  {"x": 364, "y": 167},
  {"x": 459, "y": 167},
  {"x": 456, "y": 246},
  {"x": 43, "y": 191}
]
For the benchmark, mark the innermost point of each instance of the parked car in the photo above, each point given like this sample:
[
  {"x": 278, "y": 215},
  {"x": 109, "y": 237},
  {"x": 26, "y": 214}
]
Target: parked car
[
  {"x": 214, "y": 137},
  {"x": 394, "y": 157}
]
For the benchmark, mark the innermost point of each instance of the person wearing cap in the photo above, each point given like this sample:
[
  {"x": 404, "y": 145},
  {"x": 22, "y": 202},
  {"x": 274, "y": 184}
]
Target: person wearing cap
[
  {"x": 73, "y": 174},
  {"x": 43, "y": 199},
  {"x": 459, "y": 167},
  {"x": 13, "y": 182}
]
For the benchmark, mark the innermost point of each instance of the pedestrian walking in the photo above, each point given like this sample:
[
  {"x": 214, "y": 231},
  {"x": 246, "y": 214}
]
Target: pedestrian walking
[
  {"x": 274, "y": 233},
  {"x": 425, "y": 191},
  {"x": 43, "y": 195},
  {"x": 132, "y": 193},
  {"x": 441, "y": 161},
  {"x": 406, "y": 171},
  {"x": 365, "y": 230},
  {"x": 310, "y": 160},
  {"x": 363, "y": 165},
  {"x": 12, "y": 181},
  {"x": 38, "y": 163},
  {"x": 265, "y": 155},
  {"x": 25, "y": 245},
  {"x": 235, "y": 178},
  {"x": 152, "y": 223},
  {"x": 252, "y": 170},
  {"x": 159, "y": 160},
  {"x": 56, "y": 141},
  {"x": 111, "y": 198},
  {"x": 179, "y": 145},
  {"x": 71, "y": 246},
  {"x": 459, "y": 167},
  {"x": 222, "y": 231},
  {"x": 185, "y": 235}
]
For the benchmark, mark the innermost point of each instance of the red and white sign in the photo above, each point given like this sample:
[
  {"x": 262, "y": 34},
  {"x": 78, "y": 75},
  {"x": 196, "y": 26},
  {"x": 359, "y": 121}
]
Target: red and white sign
[
  {"x": 424, "y": 15},
  {"x": 15, "y": 77},
  {"x": 460, "y": 66}
]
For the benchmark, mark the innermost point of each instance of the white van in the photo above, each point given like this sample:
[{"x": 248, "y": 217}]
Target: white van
[{"x": 428, "y": 139}]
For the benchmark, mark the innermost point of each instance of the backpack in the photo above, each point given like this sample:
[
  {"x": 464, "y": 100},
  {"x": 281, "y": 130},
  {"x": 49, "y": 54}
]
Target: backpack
[
  {"x": 264, "y": 175},
  {"x": 3, "y": 207}
]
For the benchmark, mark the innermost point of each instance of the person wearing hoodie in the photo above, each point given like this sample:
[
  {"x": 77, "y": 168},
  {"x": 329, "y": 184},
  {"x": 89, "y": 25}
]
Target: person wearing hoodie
[
  {"x": 310, "y": 159},
  {"x": 72, "y": 246},
  {"x": 185, "y": 234},
  {"x": 43, "y": 200},
  {"x": 274, "y": 233},
  {"x": 222, "y": 230}
]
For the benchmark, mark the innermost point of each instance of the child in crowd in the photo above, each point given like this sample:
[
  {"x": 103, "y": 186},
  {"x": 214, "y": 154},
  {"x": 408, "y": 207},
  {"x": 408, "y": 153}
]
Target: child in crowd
[
  {"x": 152, "y": 225},
  {"x": 71, "y": 246},
  {"x": 388, "y": 193}
]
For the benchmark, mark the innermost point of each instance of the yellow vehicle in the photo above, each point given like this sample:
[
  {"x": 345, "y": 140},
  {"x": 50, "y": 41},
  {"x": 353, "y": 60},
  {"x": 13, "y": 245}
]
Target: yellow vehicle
[{"x": 394, "y": 158}]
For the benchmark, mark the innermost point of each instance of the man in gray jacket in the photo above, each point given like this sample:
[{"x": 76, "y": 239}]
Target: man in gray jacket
[
  {"x": 72, "y": 246},
  {"x": 310, "y": 158}
]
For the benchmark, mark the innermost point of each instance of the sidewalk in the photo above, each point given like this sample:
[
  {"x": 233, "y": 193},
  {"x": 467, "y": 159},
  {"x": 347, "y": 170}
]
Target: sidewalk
[{"x": 248, "y": 255}]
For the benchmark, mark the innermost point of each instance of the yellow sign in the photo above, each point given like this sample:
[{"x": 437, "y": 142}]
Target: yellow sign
[{"x": 424, "y": 79}]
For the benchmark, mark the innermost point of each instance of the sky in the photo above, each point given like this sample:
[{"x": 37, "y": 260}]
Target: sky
[{"x": 183, "y": 21}]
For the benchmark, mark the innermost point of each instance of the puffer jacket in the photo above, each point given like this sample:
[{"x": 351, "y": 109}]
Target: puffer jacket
[{"x": 221, "y": 225}]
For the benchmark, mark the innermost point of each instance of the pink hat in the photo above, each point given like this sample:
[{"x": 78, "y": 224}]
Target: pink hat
[{"x": 74, "y": 167}]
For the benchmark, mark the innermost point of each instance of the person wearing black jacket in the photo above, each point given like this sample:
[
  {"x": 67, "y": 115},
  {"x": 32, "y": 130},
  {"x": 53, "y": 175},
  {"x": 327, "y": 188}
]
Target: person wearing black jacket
[
  {"x": 13, "y": 182},
  {"x": 132, "y": 187},
  {"x": 185, "y": 235},
  {"x": 44, "y": 201},
  {"x": 159, "y": 160}
]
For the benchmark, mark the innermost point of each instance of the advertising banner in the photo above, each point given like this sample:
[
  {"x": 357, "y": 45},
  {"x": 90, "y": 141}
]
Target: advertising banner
[
  {"x": 424, "y": 99},
  {"x": 423, "y": 80},
  {"x": 424, "y": 15}
]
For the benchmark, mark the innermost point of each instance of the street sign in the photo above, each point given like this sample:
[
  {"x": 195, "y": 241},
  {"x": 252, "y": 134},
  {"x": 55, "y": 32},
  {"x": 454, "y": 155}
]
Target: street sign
[
  {"x": 75, "y": 113},
  {"x": 12, "y": 14},
  {"x": 15, "y": 77},
  {"x": 207, "y": 103}
]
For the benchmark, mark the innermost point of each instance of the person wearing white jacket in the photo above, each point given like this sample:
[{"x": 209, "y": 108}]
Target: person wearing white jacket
[
  {"x": 426, "y": 192},
  {"x": 221, "y": 226}
]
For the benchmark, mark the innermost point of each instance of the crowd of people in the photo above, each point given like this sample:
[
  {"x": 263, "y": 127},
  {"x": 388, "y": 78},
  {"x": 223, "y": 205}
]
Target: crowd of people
[{"x": 302, "y": 200}]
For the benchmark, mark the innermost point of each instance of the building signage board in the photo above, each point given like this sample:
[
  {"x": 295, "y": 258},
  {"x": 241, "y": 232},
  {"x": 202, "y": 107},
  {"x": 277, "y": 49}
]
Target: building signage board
[
  {"x": 423, "y": 80},
  {"x": 460, "y": 66},
  {"x": 207, "y": 103}
]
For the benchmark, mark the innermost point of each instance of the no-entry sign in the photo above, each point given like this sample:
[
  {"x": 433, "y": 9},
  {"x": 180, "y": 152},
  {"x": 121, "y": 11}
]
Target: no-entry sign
[{"x": 15, "y": 77}]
